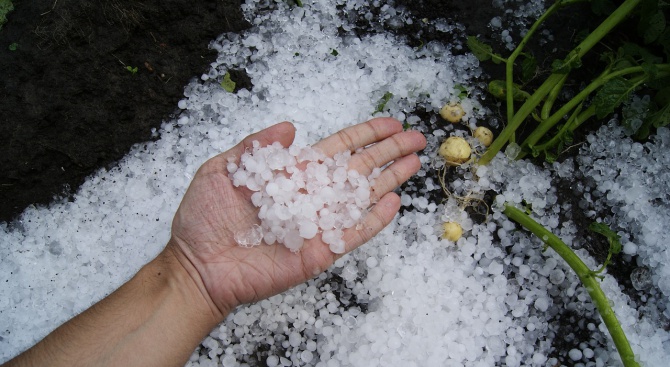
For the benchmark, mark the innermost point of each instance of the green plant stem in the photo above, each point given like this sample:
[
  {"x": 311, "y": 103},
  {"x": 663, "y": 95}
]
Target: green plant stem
[
  {"x": 586, "y": 276},
  {"x": 538, "y": 133},
  {"x": 527, "y": 108},
  {"x": 571, "y": 125},
  {"x": 509, "y": 64},
  {"x": 551, "y": 98},
  {"x": 523, "y": 112}
]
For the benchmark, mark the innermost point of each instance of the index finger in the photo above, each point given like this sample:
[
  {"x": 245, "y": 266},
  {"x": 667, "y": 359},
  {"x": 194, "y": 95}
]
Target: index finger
[{"x": 359, "y": 136}]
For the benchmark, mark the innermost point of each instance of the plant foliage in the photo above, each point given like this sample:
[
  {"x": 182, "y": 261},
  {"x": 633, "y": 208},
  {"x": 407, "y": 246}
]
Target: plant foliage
[
  {"x": 5, "y": 7},
  {"x": 228, "y": 84}
]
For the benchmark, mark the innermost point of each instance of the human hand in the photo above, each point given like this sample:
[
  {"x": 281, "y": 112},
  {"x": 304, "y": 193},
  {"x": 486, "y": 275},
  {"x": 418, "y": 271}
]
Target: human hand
[{"x": 213, "y": 210}]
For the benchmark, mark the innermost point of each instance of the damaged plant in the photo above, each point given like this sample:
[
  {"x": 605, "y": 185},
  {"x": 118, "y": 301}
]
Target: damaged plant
[{"x": 628, "y": 69}]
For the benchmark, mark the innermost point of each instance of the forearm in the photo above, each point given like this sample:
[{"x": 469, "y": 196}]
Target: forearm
[{"x": 156, "y": 319}]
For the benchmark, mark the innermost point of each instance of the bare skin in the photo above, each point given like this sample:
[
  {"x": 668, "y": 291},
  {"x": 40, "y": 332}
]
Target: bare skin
[{"x": 162, "y": 314}]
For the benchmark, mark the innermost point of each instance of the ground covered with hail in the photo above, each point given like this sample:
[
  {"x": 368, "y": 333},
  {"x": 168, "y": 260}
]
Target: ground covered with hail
[{"x": 495, "y": 295}]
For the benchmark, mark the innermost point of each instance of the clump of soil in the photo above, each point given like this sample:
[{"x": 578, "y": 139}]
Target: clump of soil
[{"x": 87, "y": 80}]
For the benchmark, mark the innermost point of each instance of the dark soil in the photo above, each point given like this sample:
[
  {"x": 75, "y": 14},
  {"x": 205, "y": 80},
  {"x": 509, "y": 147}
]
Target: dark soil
[{"x": 68, "y": 103}]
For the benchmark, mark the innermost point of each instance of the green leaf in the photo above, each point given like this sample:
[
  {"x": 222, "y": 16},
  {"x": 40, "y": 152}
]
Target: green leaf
[
  {"x": 550, "y": 157},
  {"x": 661, "y": 117},
  {"x": 643, "y": 131},
  {"x": 383, "y": 101},
  {"x": 528, "y": 68},
  {"x": 498, "y": 88},
  {"x": 654, "y": 25},
  {"x": 662, "y": 97},
  {"x": 334, "y": 52},
  {"x": 612, "y": 237},
  {"x": 656, "y": 117},
  {"x": 534, "y": 151},
  {"x": 462, "y": 91},
  {"x": 664, "y": 41},
  {"x": 5, "y": 7},
  {"x": 13, "y": 46},
  {"x": 482, "y": 51},
  {"x": 638, "y": 52},
  {"x": 631, "y": 115},
  {"x": 624, "y": 63},
  {"x": 572, "y": 61},
  {"x": 568, "y": 137},
  {"x": 581, "y": 35},
  {"x": 659, "y": 83},
  {"x": 611, "y": 95},
  {"x": 608, "y": 57},
  {"x": 227, "y": 84},
  {"x": 650, "y": 69}
]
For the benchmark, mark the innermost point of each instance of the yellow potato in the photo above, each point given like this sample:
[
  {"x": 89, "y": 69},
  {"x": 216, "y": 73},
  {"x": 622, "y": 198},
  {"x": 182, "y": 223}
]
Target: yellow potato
[
  {"x": 455, "y": 150},
  {"x": 484, "y": 135},
  {"x": 452, "y": 231},
  {"x": 452, "y": 113}
]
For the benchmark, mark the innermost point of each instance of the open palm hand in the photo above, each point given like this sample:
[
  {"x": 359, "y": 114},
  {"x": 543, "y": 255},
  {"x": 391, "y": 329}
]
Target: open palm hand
[{"x": 213, "y": 210}]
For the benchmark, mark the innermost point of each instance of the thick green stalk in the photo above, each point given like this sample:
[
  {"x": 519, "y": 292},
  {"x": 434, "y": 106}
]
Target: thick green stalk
[
  {"x": 527, "y": 108},
  {"x": 547, "y": 124},
  {"x": 524, "y": 111},
  {"x": 586, "y": 276},
  {"x": 571, "y": 125},
  {"x": 509, "y": 64}
]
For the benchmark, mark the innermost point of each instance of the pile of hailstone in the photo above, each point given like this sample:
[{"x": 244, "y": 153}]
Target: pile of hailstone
[{"x": 301, "y": 192}]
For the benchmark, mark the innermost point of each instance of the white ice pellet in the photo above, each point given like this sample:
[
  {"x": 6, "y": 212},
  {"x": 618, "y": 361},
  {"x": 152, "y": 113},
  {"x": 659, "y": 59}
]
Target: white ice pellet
[
  {"x": 629, "y": 248},
  {"x": 306, "y": 356},
  {"x": 557, "y": 276},
  {"x": 542, "y": 304},
  {"x": 294, "y": 339},
  {"x": 575, "y": 354},
  {"x": 308, "y": 229},
  {"x": 325, "y": 196},
  {"x": 272, "y": 361}
]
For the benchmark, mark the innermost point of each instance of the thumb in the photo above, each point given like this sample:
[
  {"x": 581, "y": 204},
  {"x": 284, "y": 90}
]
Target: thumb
[{"x": 283, "y": 132}]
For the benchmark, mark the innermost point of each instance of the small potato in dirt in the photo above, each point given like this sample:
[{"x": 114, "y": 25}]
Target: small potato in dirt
[
  {"x": 452, "y": 113},
  {"x": 455, "y": 150},
  {"x": 452, "y": 231},
  {"x": 484, "y": 135}
]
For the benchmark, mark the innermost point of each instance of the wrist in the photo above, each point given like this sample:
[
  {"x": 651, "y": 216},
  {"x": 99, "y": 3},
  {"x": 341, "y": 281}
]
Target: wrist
[{"x": 187, "y": 278}]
